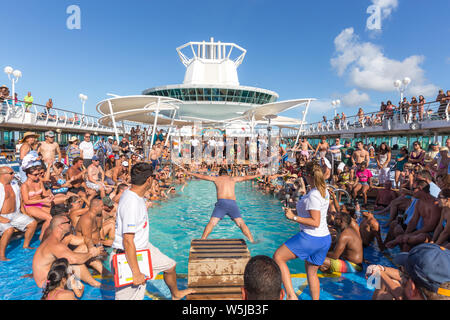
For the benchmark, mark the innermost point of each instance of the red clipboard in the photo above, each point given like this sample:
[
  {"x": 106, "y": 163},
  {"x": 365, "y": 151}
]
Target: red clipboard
[{"x": 122, "y": 272}]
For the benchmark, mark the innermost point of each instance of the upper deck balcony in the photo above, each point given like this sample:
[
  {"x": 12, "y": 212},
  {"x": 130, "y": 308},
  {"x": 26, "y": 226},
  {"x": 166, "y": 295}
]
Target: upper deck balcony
[
  {"x": 37, "y": 117},
  {"x": 435, "y": 118}
]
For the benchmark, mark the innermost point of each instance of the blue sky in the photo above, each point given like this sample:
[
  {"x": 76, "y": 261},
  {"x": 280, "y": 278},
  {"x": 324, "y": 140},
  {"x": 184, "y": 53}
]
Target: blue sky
[{"x": 124, "y": 47}]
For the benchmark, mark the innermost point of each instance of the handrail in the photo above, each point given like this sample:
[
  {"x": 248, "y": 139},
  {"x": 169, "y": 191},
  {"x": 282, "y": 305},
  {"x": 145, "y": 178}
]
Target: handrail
[{"x": 373, "y": 119}]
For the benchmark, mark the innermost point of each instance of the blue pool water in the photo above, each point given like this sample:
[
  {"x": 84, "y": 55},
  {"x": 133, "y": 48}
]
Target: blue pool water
[{"x": 174, "y": 223}]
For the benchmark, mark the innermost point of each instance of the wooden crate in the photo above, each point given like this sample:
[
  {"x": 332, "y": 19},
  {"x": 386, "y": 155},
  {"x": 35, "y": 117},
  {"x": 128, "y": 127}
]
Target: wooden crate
[{"x": 216, "y": 269}]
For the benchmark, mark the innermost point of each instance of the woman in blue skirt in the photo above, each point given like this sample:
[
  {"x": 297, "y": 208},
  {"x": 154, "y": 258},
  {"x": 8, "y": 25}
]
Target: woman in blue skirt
[{"x": 313, "y": 241}]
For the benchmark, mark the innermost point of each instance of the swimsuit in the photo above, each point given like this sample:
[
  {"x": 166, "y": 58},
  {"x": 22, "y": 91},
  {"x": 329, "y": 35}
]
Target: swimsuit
[
  {"x": 31, "y": 194},
  {"x": 344, "y": 266},
  {"x": 60, "y": 190},
  {"x": 226, "y": 207}
]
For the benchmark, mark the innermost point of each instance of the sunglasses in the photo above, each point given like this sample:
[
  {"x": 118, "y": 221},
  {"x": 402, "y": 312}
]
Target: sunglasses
[
  {"x": 10, "y": 173},
  {"x": 67, "y": 222}
]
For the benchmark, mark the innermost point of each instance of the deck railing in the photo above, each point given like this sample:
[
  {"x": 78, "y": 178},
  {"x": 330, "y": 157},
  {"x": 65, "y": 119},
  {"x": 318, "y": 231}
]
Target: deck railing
[
  {"x": 37, "y": 114},
  {"x": 433, "y": 111}
]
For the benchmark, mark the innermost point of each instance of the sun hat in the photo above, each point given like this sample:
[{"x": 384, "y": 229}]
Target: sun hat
[
  {"x": 73, "y": 139},
  {"x": 29, "y": 134},
  {"x": 443, "y": 149},
  {"x": 428, "y": 265}
]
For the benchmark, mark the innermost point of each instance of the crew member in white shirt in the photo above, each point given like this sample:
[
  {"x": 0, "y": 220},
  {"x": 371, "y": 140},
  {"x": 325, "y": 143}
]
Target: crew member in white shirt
[
  {"x": 313, "y": 241},
  {"x": 87, "y": 150},
  {"x": 132, "y": 235}
]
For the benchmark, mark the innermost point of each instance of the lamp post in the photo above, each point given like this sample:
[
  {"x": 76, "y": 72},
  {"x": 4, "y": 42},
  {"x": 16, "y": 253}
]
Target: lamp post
[
  {"x": 14, "y": 76},
  {"x": 401, "y": 86},
  {"x": 335, "y": 104},
  {"x": 83, "y": 99}
]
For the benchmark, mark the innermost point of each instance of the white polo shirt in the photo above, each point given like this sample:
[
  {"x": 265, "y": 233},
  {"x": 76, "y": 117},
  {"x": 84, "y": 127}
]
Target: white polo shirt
[
  {"x": 88, "y": 149},
  {"x": 132, "y": 217}
]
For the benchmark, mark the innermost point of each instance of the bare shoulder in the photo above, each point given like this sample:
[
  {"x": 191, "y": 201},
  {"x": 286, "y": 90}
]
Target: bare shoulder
[{"x": 66, "y": 295}]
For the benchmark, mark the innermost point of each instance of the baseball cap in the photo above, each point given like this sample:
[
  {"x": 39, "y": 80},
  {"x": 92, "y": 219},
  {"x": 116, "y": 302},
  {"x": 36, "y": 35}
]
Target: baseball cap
[
  {"x": 110, "y": 137},
  {"x": 125, "y": 163},
  {"x": 95, "y": 158},
  {"x": 49, "y": 134},
  {"x": 428, "y": 265}
]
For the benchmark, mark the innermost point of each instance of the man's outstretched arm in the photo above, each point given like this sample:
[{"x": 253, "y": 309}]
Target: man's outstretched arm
[
  {"x": 199, "y": 176},
  {"x": 246, "y": 178}
]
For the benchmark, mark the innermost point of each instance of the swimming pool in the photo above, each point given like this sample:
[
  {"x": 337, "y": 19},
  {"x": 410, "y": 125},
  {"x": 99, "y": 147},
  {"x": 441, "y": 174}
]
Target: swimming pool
[{"x": 174, "y": 223}]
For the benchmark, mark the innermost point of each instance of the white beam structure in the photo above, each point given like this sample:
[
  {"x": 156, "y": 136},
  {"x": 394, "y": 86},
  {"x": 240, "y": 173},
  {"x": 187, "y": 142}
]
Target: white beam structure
[
  {"x": 305, "y": 112},
  {"x": 154, "y": 124},
  {"x": 113, "y": 120}
]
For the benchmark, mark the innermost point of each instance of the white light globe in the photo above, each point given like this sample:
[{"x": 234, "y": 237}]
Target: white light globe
[
  {"x": 8, "y": 70},
  {"x": 333, "y": 103},
  {"x": 17, "y": 73},
  {"x": 406, "y": 81},
  {"x": 397, "y": 83},
  {"x": 338, "y": 101}
]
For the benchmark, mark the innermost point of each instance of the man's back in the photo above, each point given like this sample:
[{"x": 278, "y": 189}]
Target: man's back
[
  {"x": 225, "y": 187},
  {"x": 42, "y": 260},
  {"x": 429, "y": 212},
  {"x": 353, "y": 250}
]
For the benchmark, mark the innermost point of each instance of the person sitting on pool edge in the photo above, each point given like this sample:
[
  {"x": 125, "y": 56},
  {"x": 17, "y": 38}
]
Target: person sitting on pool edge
[
  {"x": 53, "y": 247},
  {"x": 226, "y": 200},
  {"x": 262, "y": 280},
  {"x": 347, "y": 255},
  {"x": 10, "y": 216},
  {"x": 59, "y": 280}
]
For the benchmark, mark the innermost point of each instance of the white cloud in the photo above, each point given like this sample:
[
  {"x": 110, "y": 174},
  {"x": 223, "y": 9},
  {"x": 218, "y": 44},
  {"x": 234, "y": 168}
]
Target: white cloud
[
  {"x": 368, "y": 68},
  {"x": 320, "y": 106},
  {"x": 386, "y": 7},
  {"x": 355, "y": 99}
]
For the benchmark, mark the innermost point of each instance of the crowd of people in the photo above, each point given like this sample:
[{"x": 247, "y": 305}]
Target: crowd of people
[
  {"x": 407, "y": 111},
  {"x": 98, "y": 194}
]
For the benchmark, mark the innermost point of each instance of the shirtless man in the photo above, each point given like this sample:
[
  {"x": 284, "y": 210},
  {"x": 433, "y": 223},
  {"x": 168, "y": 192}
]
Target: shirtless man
[
  {"x": 77, "y": 173},
  {"x": 441, "y": 235},
  {"x": 322, "y": 147},
  {"x": 49, "y": 148},
  {"x": 226, "y": 200},
  {"x": 153, "y": 156},
  {"x": 423, "y": 222},
  {"x": 304, "y": 146},
  {"x": 107, "y": 230},
  {"x": 88, "y": 227},
  {"x": 120, "y": 174},
  {"x": 54, "y": 247},
  {"x": 385, "y": 196},
  {"x": 347, "y": 255},
  {"x": 96, "y": 177},
  {"x": 369, "y": 229},
  {"x": 360, "y": 155},
  {"x": 10, "y": 216}
]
